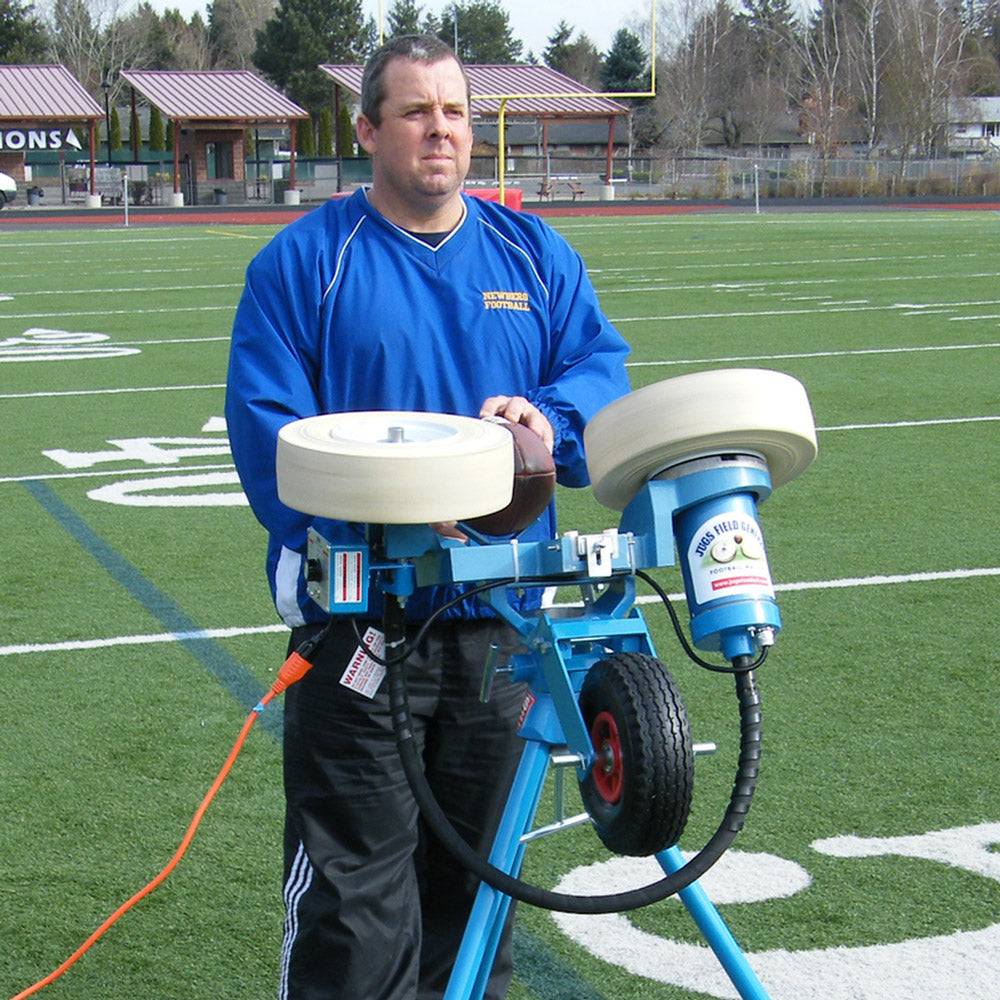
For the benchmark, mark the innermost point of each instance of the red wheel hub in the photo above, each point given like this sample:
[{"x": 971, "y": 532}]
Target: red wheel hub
[{"x": 608, "y": 768}]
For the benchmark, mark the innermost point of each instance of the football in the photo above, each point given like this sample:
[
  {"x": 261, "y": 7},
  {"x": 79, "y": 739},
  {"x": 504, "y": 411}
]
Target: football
[{"x": 534, "y": 484}]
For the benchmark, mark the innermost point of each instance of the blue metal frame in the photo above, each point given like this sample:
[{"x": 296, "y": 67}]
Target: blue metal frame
[
  {"x": 732, "y": 610},
  {"x": 543, "y": 730}
]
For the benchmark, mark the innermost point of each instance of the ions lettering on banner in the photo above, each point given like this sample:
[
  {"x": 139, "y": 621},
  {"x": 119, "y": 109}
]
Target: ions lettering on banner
[{"x": 18, "y": 139}]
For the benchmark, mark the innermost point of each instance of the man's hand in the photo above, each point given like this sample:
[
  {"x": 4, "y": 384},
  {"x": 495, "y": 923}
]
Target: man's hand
[
  {"x": 518, "y": 410},
  {"x": 449, "y": 529}
]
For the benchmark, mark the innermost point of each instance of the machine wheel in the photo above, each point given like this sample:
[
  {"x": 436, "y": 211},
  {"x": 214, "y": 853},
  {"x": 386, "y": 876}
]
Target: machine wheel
[
  {"x": 638, "y": 792},
  {"x": 705, "y": 413},
  {"x": 393, "y": 467}
]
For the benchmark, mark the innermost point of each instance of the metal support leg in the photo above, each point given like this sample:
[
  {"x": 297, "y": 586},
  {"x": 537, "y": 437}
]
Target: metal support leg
[
  {"x": 485, "y": 925},
  {"x": 719, "y": 937},
  {"x": 482, "y": 933}
]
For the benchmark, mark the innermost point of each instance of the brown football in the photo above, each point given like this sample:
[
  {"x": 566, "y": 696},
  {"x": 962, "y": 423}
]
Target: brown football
[{"x": 534, "y": 484}]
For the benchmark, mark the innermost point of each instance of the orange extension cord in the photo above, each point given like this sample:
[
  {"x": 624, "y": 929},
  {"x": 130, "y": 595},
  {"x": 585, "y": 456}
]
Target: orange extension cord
[{"x": 293, "y": 669}]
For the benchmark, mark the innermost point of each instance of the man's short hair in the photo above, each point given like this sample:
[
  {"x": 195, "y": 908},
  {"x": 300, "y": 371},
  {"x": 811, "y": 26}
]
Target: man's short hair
[{"x": 427, "y": 49}]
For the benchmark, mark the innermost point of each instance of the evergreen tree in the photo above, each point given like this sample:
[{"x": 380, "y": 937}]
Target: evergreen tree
[
  {"x": 483, "y": 32},
  {"x": 988, "y": 26},
  {"x": 577, "y": 59},
  {"x": 305, "y": 138},
  {"x": 556, "y": 52},
  {"x": 774, "y": 16},
  {"x": 982, "y": 72},
  {"x": 23, "y": 38},
  {"x": 302, "y": 35},
  {"x": 431, "y": 24},
  {"x": 404, "y": 18},
  {"x": 157, "y": 140},
  {"x": 345, "y": 132},
  {"x": 625, "y": 68},
  {"x": 772, "y": 27},
  {"x": 324, "y": 145},
  {"x": 135, "y": 135},
  {"x": 115, "y": 138}
]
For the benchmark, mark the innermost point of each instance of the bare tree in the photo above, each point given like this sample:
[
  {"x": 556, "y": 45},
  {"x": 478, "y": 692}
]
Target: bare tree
[
  {"x": 761, "y": 104},
  {"x": 188, "y": 40},
  {"x": 928, "y": 49},
  {"x": 143, "y": 37},
  {"x": 696, "y": 37},
  {"x": 869, "y": 47},
  {"x": 232, "y": 30},
  {"x": 152, "y": 41},
  {"x": 825, "y": 105},
  {"x": 769, "y": 63},
  {"x": 988, "y": 28},
  {"x": 86, "y": 40}
]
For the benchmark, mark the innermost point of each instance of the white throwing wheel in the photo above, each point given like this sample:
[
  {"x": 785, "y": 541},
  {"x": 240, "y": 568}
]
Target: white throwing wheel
[
  {"x": 731, "y": 410},
  {"x": 392, "y": 467}
]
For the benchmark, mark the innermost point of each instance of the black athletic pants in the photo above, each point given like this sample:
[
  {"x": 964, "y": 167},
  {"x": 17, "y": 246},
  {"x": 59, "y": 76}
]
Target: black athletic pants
[{"x": 375, "y": 908}]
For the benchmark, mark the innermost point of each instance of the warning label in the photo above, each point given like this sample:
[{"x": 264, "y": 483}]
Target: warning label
[
  {"x": 348, "y": 577},
  {"x": 363, "y": 674}
]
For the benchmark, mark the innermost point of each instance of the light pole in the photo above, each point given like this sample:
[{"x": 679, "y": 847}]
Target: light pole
[{"x": 106, "y": 87}]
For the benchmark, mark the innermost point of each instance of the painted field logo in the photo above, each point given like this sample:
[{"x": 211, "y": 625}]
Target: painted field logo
[
  {"x": 42, "y": 344},
  {"x": 215, "y": 485},
  {"x": 963, "y": 964}
]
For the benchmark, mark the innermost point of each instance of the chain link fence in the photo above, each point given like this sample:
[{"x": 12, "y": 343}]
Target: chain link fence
[
  {"x": 714, "y": 176},
  {"x": 705, "y": 175}
]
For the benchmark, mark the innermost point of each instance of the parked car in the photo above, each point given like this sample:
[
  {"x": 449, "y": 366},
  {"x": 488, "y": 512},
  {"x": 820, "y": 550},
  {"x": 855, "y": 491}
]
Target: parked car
[{"x": 8, "y": 189}]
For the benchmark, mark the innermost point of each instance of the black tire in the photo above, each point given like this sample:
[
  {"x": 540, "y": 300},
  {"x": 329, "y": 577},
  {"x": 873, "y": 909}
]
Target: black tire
[{"x": 638, "y": 792}]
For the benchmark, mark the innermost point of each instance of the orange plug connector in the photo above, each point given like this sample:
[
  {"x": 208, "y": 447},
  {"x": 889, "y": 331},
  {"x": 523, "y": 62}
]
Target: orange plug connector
[{"x": 292, "y": 670}]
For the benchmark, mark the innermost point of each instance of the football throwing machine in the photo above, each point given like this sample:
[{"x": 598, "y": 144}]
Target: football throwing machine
[{"x": 686, "y": 462}]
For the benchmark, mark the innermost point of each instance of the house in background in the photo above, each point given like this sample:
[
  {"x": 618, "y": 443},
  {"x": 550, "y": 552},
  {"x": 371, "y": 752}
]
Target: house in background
[
  {"x": 559, "y": 137},
  {"x": 974, "y": 125}
]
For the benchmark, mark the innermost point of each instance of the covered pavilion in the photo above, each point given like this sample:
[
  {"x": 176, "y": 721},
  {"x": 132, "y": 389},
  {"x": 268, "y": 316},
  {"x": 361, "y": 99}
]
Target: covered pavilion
[
  {"x": 211, "y": 111},
  {"x": 40, "y": 109},
  {"x": 523, "y": 91}
]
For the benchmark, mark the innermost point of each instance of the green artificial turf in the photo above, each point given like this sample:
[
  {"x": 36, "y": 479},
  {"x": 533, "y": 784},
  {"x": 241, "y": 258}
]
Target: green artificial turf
[{"x": 880, "y": 704}]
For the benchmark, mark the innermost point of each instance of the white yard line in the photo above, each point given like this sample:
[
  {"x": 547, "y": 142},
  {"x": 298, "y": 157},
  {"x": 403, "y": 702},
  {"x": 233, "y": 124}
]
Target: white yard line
[
  {"x": 802, "y": 355},
  {"x": 110, "y": 392},
  {"x": 235, "y": 632},
  {"x": 790, "y": 356}
]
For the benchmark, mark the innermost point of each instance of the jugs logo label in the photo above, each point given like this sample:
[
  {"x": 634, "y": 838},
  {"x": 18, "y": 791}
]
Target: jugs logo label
[{"x": 726, "y": 558}]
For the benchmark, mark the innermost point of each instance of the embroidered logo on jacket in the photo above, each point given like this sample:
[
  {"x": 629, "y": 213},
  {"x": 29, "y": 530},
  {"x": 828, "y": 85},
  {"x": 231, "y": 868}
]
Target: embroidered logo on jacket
[{"x": 517, "y": 301}]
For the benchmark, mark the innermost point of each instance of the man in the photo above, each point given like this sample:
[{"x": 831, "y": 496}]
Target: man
[{"x": 388, "y": 300}]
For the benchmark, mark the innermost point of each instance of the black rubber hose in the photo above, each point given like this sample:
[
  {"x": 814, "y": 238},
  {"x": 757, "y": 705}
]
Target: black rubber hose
[{"x": 732, "y": 822}]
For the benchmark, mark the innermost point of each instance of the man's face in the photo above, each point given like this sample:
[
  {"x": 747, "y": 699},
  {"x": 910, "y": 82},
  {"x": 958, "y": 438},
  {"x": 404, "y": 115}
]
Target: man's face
[{"x": 421, "y": 150}]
